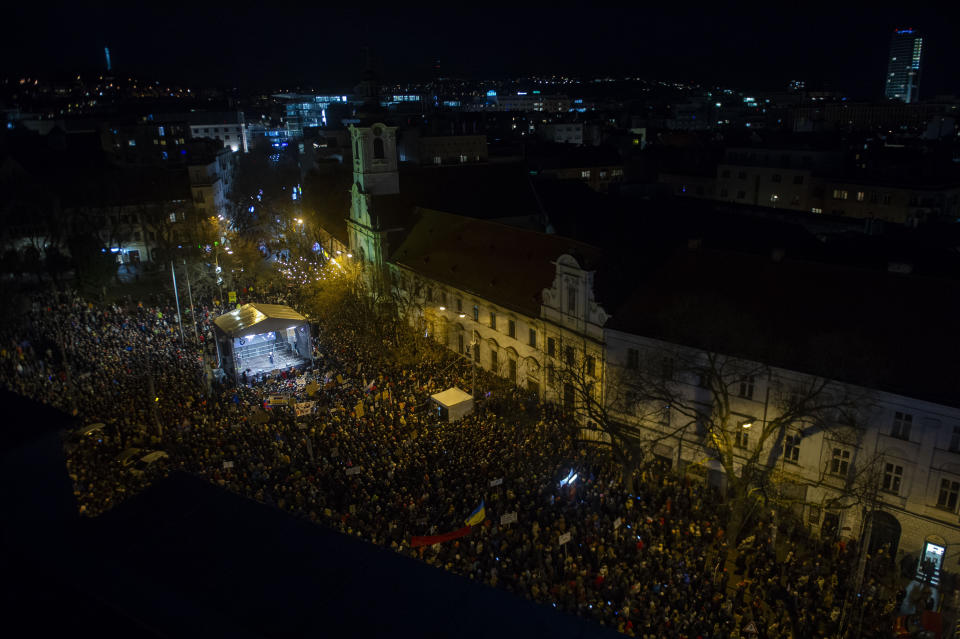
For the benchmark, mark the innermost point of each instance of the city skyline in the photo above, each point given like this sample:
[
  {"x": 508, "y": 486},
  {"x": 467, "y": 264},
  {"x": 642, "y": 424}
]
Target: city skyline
[{"x": 848, "y": 53}]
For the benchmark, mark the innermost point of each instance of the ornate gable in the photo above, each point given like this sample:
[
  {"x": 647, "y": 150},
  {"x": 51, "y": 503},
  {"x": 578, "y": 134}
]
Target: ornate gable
[{"x": 570, "y": 301}]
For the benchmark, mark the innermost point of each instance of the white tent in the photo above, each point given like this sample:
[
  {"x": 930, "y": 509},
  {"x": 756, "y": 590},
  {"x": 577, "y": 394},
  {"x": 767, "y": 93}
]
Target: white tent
[{"x": 453, "y": 403}]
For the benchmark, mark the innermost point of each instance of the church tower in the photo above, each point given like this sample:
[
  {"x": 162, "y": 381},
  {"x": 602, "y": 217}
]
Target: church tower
[
  {"x": 375, "y": 159},
  {"x": 374, "y": 175}
]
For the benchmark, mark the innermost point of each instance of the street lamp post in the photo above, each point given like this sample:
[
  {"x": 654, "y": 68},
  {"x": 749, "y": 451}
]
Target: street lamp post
[
  {"x": 193, "y": 314},
  {"x": 176, "y": 296}
]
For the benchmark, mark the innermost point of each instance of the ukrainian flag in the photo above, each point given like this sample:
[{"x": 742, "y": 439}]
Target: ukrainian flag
[{"x": 477, "y": 516}]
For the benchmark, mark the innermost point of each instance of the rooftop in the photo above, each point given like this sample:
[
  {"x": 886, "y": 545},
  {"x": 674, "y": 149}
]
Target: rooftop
[
  {"x": 485, "y": 258},
  {"x": 257, "y": 318}
]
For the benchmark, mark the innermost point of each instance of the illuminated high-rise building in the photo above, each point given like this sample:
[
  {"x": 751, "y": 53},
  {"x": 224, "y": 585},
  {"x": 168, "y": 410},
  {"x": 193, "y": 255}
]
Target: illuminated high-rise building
[{"x": 903, "y": 68}]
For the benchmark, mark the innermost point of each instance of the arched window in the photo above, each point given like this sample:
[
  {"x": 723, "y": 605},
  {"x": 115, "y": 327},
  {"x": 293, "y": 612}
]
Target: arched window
[
  {"x": 356, "y": 149},
  {"x": 378, "y": 149}
]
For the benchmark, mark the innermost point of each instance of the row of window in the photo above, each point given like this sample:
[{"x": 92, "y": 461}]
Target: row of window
[
  {"x": 776, "y": 178},
  {"x": 226, "y": 129},
  {"x": 873, "y": 197},
  {"x": 902, "y": 421},
  {"x": 494, "y": 322},
  {"x": 603, "y": 175}
]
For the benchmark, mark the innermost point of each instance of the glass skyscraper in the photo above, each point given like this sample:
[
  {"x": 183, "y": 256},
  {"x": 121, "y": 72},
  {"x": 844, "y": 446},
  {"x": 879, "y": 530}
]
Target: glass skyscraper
[{"x": 903, "y": 69}]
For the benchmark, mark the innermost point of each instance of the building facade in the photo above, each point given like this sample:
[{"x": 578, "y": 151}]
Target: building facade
[
  {"x": 908, "y": 452},
  {"x": 903, "y": 66},
  {"x": 230, "y": 128},
  {"x": 524, "y": 306},
  {"x": 210, "y": 179}
]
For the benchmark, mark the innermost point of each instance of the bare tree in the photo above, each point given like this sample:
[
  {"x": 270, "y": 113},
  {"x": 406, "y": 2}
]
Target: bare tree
[{"x": 740, "y": 412}]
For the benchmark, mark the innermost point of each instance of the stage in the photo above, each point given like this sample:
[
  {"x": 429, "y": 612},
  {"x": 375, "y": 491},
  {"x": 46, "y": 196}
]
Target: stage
[
  {"x": 249, "y": 337},
  {"x": 260, "y": 364}
]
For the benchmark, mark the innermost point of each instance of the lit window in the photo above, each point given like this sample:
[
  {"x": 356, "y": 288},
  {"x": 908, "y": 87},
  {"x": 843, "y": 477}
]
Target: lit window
[
  {"x": 892, "y": 478},
  {"x": 948, "y": 495},
  {"x": 585, "y": 173},
  {"x": 742, "y": 438},
  {"x": 860, "y": 196},
  {"x": 840, "y": 462},
  {"x": 816, "y": 210},
  {"x": 791, "y": 448}
]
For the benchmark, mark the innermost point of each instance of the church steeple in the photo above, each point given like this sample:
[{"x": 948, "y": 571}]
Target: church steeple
[{"x": 375, "y": 159}]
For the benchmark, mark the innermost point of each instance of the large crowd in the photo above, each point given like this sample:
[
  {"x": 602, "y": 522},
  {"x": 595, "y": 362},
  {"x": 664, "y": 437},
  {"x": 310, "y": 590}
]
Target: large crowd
[{"x": 646, "y": 554}]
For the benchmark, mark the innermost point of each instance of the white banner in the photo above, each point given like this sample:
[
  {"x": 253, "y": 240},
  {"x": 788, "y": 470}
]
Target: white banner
[
  {"x": 304, "y": 408},
  {"x": 354, "y": 470},
  {"x": 509, "y": 518},
  {"x": 228, "y": 464},
  {"x": 564, "y": 538},
  {"x": 496, "y": 482}
]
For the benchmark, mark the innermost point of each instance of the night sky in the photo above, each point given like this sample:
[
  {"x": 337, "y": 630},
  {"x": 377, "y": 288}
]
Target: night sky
[{"x": 839, "y": 49}]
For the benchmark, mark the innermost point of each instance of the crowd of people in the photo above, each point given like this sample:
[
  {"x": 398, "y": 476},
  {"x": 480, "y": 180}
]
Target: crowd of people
[{"x": 645, "y": 555}]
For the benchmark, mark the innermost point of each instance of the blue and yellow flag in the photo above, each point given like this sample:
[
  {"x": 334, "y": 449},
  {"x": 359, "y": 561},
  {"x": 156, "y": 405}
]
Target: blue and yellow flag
[{"x": 477, "y": 516}]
